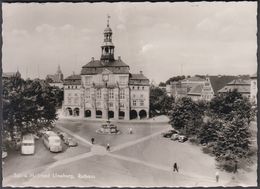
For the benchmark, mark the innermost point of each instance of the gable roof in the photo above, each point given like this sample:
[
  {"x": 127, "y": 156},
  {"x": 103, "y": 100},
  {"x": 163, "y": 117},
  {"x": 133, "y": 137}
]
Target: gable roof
[
  {"x": 97, "y": 67},
  {"x": 73, "y": 80},
  {"x": 138, "y": 77},
  {"x": 239, "y": 88},
  {"x": 218, "y": 82},
  {"x": 196, "y": 89},
  {"x": 239, "y": 82}
]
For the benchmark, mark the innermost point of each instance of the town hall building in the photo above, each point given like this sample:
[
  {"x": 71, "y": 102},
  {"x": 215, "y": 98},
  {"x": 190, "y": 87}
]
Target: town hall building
[{"x": 105, "y": 88}]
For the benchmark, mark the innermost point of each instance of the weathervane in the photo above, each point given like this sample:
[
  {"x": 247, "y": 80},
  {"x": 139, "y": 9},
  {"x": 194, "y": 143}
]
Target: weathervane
[{"x": 108, "y": 16}]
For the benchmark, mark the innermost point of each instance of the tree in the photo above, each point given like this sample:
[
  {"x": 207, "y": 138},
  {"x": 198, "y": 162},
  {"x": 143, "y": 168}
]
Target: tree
[
  {"x": 26, "y": 105},
  {"x": 210, "y": 130},
  {"x": 175, "y": 78},
  {"x": 186, "y": 116},
  {"x": 232, "y": 104},
  {"x": 233, "y": 142},
  {"x": 162, "y": 84},
  {"x": 160, "y": 102}
]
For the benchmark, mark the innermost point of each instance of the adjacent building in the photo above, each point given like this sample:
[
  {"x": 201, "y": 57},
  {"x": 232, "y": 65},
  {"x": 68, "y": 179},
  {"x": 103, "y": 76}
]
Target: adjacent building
[
  {"x": 242, "y": 87},
  {"x": 56, "y": 79},
  {"x": 206, "y": 87},
  {"x": 253, "y": 88},
  {"x": 8, "y": 75},
  {"x": 106, "y": 89}
]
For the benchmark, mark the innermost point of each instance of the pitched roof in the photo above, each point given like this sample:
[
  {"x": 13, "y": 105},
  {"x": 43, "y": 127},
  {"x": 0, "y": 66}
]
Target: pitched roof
[
  {"x": 218, "y": 82},
  {"x": 239, "y": 88},
  {"x": 97, "y": 66},
  {"x": 73, "y": 80},
  {"x": 254, "y": 75},
  {"x": 138, "y": 77},
  {"x": 196, "y": 89},
  {"x": 239, "y": 82}
]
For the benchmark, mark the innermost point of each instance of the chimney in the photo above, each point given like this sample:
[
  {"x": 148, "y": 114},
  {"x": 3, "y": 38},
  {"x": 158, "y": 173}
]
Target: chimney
[
  {"x": 141, "y": 72},
  {"x": 119, "y": 57},
  {"x": 92, "y": 59}
]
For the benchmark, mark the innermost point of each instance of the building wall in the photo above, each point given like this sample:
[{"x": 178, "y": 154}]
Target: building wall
[
  {"x": 116, "y": 98},
  {"x": 207, "y": 91},
  {"x": 60, "y": 85},
  {"x": 72, "y": 100},
  {"x": 140, "y": 95},
  {"x": 253, "y": 90}
]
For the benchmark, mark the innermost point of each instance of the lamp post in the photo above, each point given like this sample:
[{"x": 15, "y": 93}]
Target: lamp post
[{"x": 105, "y": 77}]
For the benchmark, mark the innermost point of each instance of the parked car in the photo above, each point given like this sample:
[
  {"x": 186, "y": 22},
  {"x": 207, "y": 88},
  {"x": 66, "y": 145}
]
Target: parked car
[
  {"x": 52, "y": 141},
  {"x": 28, "y": 145},
  {"x": 71, "y": 142},
  {"x": 175, "y": 136},
  {"x": 4, "y": 154},
  {"x": 169, "y": 133},
  {"x": 182, "y": 138},
  {"x": 63, "y": 135}
]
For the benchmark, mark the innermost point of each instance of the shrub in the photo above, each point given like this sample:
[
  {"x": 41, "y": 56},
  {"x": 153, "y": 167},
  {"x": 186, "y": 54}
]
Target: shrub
[{"x": 207, "y": 150}]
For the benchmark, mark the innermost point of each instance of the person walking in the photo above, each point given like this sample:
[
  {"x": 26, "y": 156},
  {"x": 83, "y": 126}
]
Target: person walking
[
  {"x": 92, "y": 140},
  {"x": 175, "y": 167},
  {"x": 217, "y": 176},
  {"x": 108, "y": 147},
  {"x": 235, "y": 168}
]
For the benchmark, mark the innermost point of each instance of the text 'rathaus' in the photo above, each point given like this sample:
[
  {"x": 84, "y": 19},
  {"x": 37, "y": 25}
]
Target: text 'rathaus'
[{"x": 106, "y": 89}]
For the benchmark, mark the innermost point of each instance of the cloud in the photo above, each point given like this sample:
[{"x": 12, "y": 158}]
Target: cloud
[
  {"x": 67, "y": 27},
  {"x": 45, "y": 28},
  {"x": 147, "y": 47},
  {"x": 86, "y": 30},
  {"x": 20, "y": 33}
]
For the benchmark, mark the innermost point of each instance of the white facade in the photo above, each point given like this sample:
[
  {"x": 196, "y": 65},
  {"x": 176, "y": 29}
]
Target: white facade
[{"x": 106, "y": 89}]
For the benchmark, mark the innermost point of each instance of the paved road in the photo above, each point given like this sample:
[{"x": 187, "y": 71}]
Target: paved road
[{"x": 98, "y": 152}]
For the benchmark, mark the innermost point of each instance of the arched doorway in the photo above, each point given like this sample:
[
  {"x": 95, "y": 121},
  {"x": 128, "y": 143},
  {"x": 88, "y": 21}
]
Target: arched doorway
[
  {"x": 76, "y": 111},
  {"x": 121, "y": 115},
  {"x": 142, "y": 114},
  {"x": 110, "y": 114},
  {"x": 87, "y": 113},
  {"x": 68, "y": 111},
  {"x": 133, "y": 114},
  {"x": 98, "y": 114}
]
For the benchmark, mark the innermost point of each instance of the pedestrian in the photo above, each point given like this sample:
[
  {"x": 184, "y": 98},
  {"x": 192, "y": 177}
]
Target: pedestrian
[
  {"x": 130, "y": 131},
  {"x": 175, "y": 167},
  {"x": 217, "y": 176},
  {"x": 108, "y": 147},
  {"x": 235, "y": 167},
  {"x": 92, "y": 140}
]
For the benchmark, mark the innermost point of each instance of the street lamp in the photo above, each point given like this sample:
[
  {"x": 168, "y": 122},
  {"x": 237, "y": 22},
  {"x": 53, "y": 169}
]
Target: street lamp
[{"x": 105, "y": 77}]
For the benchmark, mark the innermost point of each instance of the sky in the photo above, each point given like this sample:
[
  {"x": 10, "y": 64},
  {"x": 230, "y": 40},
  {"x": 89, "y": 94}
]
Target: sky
[{"x": 160, "y": 39}]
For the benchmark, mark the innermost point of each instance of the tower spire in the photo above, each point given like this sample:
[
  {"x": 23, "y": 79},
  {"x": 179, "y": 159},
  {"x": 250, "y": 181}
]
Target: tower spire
[
  {"x": 107, "y": 53},
  {"x": 108, "y": 17}
]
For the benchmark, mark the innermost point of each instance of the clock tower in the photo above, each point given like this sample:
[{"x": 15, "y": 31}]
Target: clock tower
[{"x": 107, "y": 49}]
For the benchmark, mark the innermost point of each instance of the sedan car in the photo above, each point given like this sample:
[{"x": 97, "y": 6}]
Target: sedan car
[
  {"x": 169, "y": 133},
  {"x": 70, "y": 142},
  {"x": 175, "y": 136},
  {"x": 182, "y": 138}
]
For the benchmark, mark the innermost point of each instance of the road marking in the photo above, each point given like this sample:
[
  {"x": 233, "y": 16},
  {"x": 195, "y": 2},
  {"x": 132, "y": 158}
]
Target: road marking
[
  {"x": 74, "y": 135},
  {"x": 163, "y": 168},
  {"x": 131, "y": 143}
]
